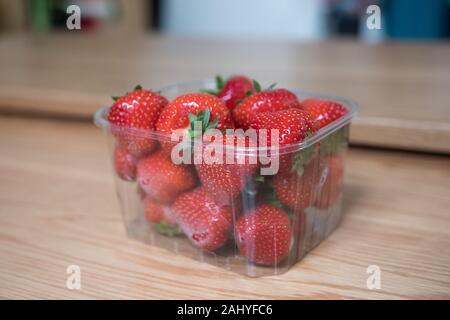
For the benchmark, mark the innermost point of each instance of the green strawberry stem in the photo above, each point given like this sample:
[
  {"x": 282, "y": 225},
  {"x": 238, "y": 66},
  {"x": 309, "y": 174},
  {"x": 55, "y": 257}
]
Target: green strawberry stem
[
  {"x": 137, "y": 87},
  {"x": 210, "y": 91},
  {"x": 167, "y": 229},
  {"x": 273, "y": 85},
  {"x": 259, "y": 178},
  {"x": 220, "y": 83},
  {"x": 258, "y": 87},
  {"x": 204, "y": 117}
]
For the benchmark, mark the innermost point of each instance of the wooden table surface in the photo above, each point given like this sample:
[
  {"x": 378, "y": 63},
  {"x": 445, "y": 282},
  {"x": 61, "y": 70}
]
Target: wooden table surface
[
  {"x": 58, "y": 208},
  {"x": 57, "y": 198},
  {"x": 403, "y": 89}
]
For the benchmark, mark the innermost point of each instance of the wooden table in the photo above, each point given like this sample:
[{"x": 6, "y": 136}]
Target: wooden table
[{"x": 58, "y": 205}]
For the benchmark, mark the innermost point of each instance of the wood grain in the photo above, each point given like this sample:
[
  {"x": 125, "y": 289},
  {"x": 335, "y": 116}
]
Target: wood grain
[
  {"x": 58, "y": 207},
  {"x": 403, "y": 88}
]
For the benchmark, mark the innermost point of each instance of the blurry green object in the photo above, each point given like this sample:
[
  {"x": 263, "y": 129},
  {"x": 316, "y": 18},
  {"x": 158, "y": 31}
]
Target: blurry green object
[{"x": 40, "y": 15}]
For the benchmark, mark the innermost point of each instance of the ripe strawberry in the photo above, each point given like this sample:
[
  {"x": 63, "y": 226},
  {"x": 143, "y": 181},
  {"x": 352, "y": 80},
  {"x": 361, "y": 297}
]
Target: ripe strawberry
[
  {"x": 264, "y": 101},
  {"x": 184, "y": 110},
  {"x": 235, "y": 90},
  {"x": 206, "y": 224},
  {"x": 225, "y": 180},
  {"x": 297, "y": 190},
  {"x": 323, "y": 112},
  {"x": 331, "y": 183},
  {"x": 137, "y": 109},
  {"x": 310, "y": 102},
  {"x": 125, "y": 164},
  {"x": 161, "y": 179},
  {"x": 293, "y": 125},
  {"x": 264, "y": 235},
  {"x": 176, "y": 114}
]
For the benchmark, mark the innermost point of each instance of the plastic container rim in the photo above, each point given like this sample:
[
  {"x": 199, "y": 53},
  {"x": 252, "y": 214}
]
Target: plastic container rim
[{"x": 100, "y": 119}]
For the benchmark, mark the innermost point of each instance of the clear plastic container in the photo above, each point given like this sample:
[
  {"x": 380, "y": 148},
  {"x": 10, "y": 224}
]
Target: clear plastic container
[{"x": 310, "y": 204}]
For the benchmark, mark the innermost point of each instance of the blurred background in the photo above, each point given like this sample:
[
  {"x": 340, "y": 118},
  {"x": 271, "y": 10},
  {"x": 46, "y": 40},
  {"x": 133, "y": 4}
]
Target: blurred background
[{"x": 260, "y": 19}]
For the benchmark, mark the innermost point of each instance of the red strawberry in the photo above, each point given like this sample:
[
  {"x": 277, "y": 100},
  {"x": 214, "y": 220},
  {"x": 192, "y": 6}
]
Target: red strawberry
[
  {"x": 185, "y": 109},
  {"x": 264, "y": 235},
  {"x": 176, "y": 114},
  {"x": 323, "y": 112},
  {"x": 225, "y": 180},
  {"x": 206, "y": 224},
  {"x": 137, "y": 109},
  {"x": 293, "y": 126},
  {"x": 163, "y": 180},
  {"x": 125, "y": 164},
  {"x": 310, "y": 102},
  {"x": 330, "y": 182},
  {"x": 264, "y": 101},
  {"x": 296, "y": 190},
  {"x": 236, "y": 89}
]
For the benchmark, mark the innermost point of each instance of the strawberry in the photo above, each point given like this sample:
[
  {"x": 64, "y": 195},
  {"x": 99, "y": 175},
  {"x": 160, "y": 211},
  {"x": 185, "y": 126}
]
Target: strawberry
[
  {"x": 310, "y": 102},
  {"x": 263, "y": 101},
  {"x": 176, "y": 114},
  {"x": 296, "y": 190},
  {"x": 323, "y": 112},
  {"x": 225, "y": 180},
  {"x": 124, "y": 164},
  {"x": 235, "y": 90},
  {"x": 206, "y": 224},
  {"x": 293, "y": 126},
  {"x": 264, "y": 235},
  {"x": 184, "y": 110},
  {"x": 163, "y": 180},
  {"x": 137, "y": 109},
  {"x": 330, "y": 182}
]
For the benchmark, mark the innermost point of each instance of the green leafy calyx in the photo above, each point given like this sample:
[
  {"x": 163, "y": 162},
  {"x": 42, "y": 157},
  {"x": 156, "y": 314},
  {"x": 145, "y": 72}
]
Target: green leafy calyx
[
  {"x": 167, "y": 229},
  {"x": 204, "y": 117}
]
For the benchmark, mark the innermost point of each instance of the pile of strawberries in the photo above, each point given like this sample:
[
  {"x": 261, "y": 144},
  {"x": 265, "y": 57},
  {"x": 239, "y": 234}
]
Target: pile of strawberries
[{"x": 214, "y": 204}]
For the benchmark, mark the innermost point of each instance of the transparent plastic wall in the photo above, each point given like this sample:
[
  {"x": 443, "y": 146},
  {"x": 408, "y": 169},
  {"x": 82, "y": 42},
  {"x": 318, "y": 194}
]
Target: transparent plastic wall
[{"x": 311, "y": 201}]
